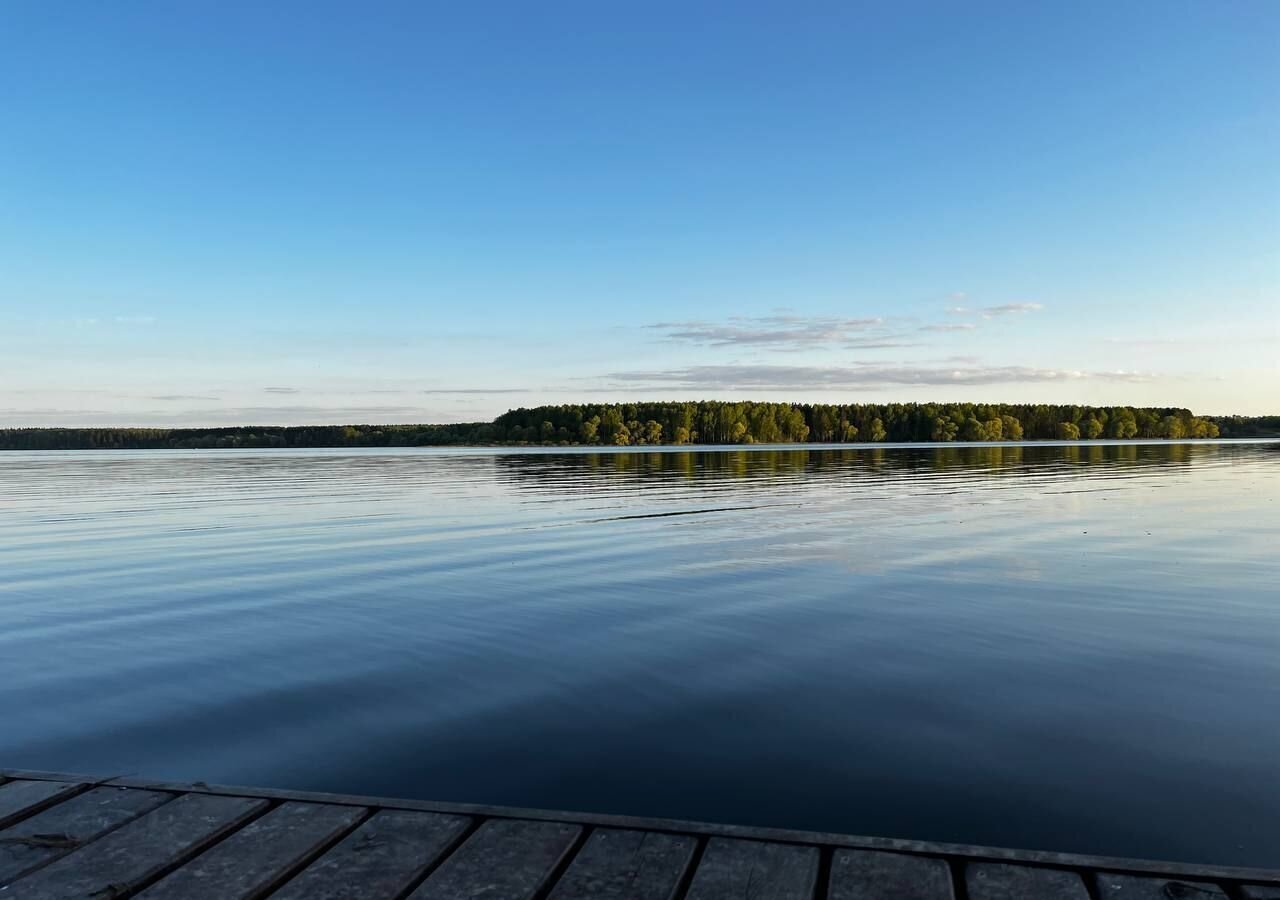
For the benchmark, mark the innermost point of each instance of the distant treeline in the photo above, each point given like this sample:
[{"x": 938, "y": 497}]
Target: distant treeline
[
  {"x": 1248, "y": 426},
  {"x": 770, "y": 423},
  {"x": 704, "y": 422},
  {"x": 243, "y": 436}
]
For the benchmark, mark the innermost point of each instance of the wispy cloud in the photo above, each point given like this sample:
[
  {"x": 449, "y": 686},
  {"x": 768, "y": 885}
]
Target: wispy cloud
[
  {"x": 226, "y": 415},
  {"x": 991, "y": 312},
  {"x": 281, "y": 390},
  {"x": 782, "y": 332},
  {"x": 778, "y": 378},
  {"x": 174, "y": 397},
  {"x": 1005, "y": 309},
  {"x": 134, "y": 320},
  {"x": 480, "y": 391},
  {"x": 949, "y": 326}
]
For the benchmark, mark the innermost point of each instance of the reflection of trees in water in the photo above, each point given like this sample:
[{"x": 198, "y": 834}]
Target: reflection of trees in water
[{"x": 873, "y": 461}]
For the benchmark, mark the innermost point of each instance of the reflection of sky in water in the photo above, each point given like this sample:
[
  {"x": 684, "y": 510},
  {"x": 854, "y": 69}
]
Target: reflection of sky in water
[{"x": 1069, "y": 647}]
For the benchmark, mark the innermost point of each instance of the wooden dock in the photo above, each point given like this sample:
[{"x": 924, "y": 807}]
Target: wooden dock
[{"x": 67, "y": 836}]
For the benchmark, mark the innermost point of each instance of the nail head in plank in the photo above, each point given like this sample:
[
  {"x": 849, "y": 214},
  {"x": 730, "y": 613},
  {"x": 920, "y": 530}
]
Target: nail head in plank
[
  {"x": 379, "y": 859},
  {"x": 626, "y": 865},
  {"x": 22, "y": 798},
  {"x": 506, "y": 859},
  {"x": 746, "y": 870},
  {"x": 42, "y": 838},
  {"x": 259, "y": 855},
  {"x": 132, "y": 855},
  {"x": 877, "y": 875},
  {"x": 1131, "y": 887},
  {"x": 1001, "y": 881}
]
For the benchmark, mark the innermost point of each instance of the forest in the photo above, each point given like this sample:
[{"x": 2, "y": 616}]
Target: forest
[{"x": 700, "y": 422}]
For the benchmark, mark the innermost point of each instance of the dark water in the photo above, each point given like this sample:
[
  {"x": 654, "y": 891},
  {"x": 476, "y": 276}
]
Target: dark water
[{"x": 1062, "y": 647}]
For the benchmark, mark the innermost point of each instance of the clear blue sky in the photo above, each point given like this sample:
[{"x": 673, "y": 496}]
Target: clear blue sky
[{"x": 216, "y": 212}]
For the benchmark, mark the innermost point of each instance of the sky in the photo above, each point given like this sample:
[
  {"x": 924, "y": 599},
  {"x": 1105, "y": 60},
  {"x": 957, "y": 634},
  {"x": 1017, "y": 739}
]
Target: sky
[{"x": 300, "y": 212}]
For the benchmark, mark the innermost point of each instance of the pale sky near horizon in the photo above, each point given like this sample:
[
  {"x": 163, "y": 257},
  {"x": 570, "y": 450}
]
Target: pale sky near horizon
[{"x": 297, "y": 212}]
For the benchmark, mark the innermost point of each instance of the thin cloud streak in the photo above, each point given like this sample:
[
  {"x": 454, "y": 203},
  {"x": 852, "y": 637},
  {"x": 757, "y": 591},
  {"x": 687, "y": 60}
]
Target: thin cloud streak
[
  {"x": 771, "y": 332},
  {"x": 991, "y": 312},
  {"x": 791, "y": 378},
  {"x": 228, "y": 416},
  {"x": 1006, "y": 309},
  {"x": 480, "y": 391}
]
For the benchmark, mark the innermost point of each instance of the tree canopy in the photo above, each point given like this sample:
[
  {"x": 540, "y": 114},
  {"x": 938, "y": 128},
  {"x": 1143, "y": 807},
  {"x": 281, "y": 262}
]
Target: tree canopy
[{"x": 694, "y": 422}]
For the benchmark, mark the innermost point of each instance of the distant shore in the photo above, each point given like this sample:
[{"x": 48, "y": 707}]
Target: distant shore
[{"x": 702, "y": 423}]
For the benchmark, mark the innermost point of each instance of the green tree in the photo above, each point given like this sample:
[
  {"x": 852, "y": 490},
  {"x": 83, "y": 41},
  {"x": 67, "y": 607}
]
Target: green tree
[
  {"x": 1122, "y": 424},
  {"x": 972, "y": 430},
  {"x": 1068, "y": 431},
  {"x": 1171, "y": 427},
  {"x": 611, "y": 424}
]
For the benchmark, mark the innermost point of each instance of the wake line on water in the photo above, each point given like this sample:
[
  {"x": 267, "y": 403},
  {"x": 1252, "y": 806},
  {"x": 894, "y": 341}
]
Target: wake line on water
[{"x": 682, "y": 512}]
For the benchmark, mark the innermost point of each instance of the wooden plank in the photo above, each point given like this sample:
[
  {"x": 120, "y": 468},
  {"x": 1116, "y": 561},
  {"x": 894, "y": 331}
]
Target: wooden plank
[
  {"x": 22, "y": 798},
  {"x": 258, "y": 856},
  {"x": 129, "y": 857},
  {"x": 380, "y": 859},
  {"x": 1260, "y": 891},
  {"x": 42, "y": 838},
  {"x": 627, "y": 865},
  {"x": 753, "y": 870},
  {"x": 506, "y": 859},
  {"x": 1131, "y": 887},
  {"x": 874, "y": 875},
  {"x": 1001, "y": 881},
  {"x": 1197, "y": 871},
  {"x": 35, "y": 775},
  {"x": 1053, "y": 858}
]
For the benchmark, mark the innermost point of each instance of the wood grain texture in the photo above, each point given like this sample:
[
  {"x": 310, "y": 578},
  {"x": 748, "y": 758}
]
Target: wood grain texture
[
  {"x": 70, "y": 837},
  {"x": 1129, "y": 887},
  {"x": 380, "y": 859},
  {"x": 1001, "y": 881},
  {"x": 1198, "y": 871},
  {"x": 258, "y": 856},
  {"x": 873, "y": 875},
  {"x": 753, "y": 870},
  {"x": 1260, "y": 892},
  {"x": 627, "y": 865},
  {"x": 39, "y": 839},
  {"x": 129, "y": 857},
  {"x": 19, "y": 799},
  {"x": 506, "y": 859}
]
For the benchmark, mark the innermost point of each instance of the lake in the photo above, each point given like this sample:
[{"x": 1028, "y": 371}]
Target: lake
[{"x": 1063, "y": 647}]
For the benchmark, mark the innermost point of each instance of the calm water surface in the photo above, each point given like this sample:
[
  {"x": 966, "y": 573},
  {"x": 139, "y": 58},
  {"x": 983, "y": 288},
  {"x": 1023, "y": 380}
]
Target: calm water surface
[{"x": 1061, "y": 647}]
